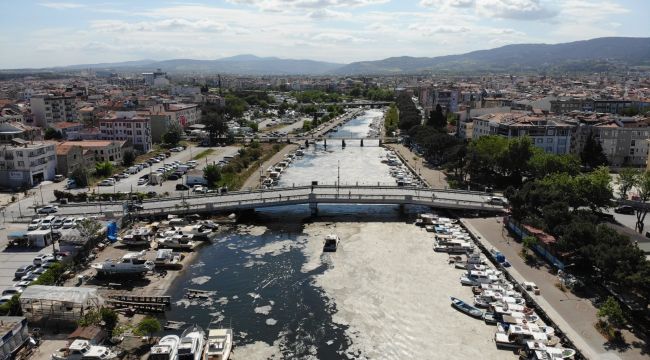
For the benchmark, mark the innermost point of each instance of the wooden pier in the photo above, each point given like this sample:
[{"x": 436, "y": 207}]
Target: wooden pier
[{"x": 141, "y": 303}]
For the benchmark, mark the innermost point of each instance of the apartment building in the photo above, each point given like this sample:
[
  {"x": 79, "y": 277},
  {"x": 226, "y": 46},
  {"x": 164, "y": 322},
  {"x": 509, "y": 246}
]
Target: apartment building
[
  {"x": 552, "y": 134},
  {"x": 430, "y": 97},
  {"x": 609, "y": 106},
  {"x": 25, "y": 164},
  {"x": 183, "y": 114},
  {"x": 100, "y": 150},
  {"x": 48, "y": 109},
  {"x": 128, "y": 126},
  {"x": 70, "y": 158}
]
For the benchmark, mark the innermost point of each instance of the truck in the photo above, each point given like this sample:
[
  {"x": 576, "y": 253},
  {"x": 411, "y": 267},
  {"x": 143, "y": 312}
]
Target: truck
[{"x": 155, "y": 179}]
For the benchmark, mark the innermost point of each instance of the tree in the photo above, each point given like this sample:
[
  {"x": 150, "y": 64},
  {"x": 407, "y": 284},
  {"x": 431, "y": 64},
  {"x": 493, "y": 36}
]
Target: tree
[
  {"x": 173, "y": 135},
  {"x": 627, "y": 178},
  {"x": 109, "y": 317},
  {"x": 104, "y": 168},
  {"x": 592, "y": 154},
  {"x": 437, "y": 118},
  {"x": 528, "y": 243},
  {"x": 215, "y": 124},
  {"x": 212, "y": 175},
  {"x": 129, "y": 158},
  {"x": 611, "y": 310},
  {"x": 643, "y": 184},
  {"x": 80, "y": 176},
  {"x": 282, "y": 108},
  {"x": 90, "y": 318},
  {"x": 52, "y": 134},
  {"x": 542, "y": 164},
  {"x": 149, "y": 325},
  {"x": 88, "y": 228},
  {"x": 514, "y": 160}
]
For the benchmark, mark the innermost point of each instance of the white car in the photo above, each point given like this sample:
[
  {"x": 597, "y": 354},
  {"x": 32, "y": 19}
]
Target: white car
[
  {"x": 142, "y": 181},
  {"x": 34, "y": 225},
  {"x": 107, "y": 182},
  {"x": 48, "y": 209},
  {"x": 42, "y": 258},
  {"x": 68, "y": 223}
]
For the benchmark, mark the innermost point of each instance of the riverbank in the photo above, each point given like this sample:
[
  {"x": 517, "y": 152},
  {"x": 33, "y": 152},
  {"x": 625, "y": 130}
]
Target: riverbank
[
  {"x": 253, "y": 181},
  {"x": 432, "y": 177}
]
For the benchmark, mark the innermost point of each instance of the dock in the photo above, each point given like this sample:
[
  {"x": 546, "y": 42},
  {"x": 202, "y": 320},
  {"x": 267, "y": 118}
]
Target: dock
[
  {"x": 194, "y": 293},
  {"x": 141, "y": 303}
]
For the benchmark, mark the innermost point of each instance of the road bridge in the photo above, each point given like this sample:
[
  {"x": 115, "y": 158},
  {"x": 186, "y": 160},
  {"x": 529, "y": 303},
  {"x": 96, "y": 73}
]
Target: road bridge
[{"x": 309, "y": 195}]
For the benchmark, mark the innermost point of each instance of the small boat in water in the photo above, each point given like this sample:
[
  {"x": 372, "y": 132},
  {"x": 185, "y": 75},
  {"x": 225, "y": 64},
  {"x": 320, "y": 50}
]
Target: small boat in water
[
  {"x": 219, "y": 344},
  {"x": 466, "y": 308},
  {"x": 191, "y": 345},
  {"x": 331, "y": 243},
  {"x": 166, "y": 348}
]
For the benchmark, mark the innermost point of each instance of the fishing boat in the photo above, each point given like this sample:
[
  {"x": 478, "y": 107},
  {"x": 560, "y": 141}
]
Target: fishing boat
[
  {"x": 130, "y": 264},
  {"x": 181, "y": 242},
  {"x": 191, "y": 344},
  {"x": 219, "y": 344},
  {"x": 82, "y": 350},
  {"x": 168, "y": 259},
  {"x": 466, "y": 308},
  {"x": 331, "y": 243},
  {"x": 166, "y": 349}
]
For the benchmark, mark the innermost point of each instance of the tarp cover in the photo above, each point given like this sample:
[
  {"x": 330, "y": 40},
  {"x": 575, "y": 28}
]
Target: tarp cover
[{"x": 77, "y": 295}]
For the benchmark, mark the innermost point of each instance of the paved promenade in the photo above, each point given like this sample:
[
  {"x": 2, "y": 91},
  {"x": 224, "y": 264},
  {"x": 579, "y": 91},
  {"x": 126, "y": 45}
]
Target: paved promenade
[
  {"x": 433, "y": 178},
  {"x": 575, "y": 316}
]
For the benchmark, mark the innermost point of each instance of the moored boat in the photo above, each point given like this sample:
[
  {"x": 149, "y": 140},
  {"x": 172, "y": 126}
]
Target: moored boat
[
  {"x": 191, "y": 344},
  {"x": 331, "y": 243},
  {"x": 82, "y": 350},
  {"x": 466, "y": 308},
  {"x": 218, "y": 345},
  {"x": 130, "y": 264},
  {"x": 166, "y": 349}
]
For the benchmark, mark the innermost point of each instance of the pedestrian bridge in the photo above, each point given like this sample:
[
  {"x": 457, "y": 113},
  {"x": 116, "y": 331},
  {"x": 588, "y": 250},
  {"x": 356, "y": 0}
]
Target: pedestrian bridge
[{"x": 302, "y": 195}]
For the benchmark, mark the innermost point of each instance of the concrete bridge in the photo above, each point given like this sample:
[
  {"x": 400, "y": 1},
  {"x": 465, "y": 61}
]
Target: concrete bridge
[{"x": 312, "y": 196}]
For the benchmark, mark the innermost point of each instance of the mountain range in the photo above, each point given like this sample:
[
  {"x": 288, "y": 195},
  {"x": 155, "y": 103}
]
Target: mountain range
[{"x": 589, "y": 55}]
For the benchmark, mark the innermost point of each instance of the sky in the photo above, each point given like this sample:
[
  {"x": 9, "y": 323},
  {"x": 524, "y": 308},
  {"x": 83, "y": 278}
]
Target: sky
[{"x": 46, "y": 33}]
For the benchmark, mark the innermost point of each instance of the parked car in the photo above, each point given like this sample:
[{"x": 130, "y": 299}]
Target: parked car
[
  {"x": 42, "y": 258},
  {"x": 173, "y": 176},
  {"x": 34, "y": 225},
  {"x": 39, "y": 271},
  {"x": 57, "y": 223},
  {"x": 68, "y": 223},
  {"x": 5, "y": 299},
  {"x": 142, "y": 181},
  {"x": 48, "y": 209},
  {"x": 199, "y": 189},
  {"x": 182, "y": 187},
  {"x": 22, "y": 271},
  {"x": 107, "y": 182},
  {"x": 152, "y": 193},
  {"x": 12, "y": 291},
  {"x": 46, "y": 223},
  {"x": 58, "y": 178},
  {"x": 30, "y": 277},
  {"x": 624, "y": 209},
  {"x": 495, "y": 200}
]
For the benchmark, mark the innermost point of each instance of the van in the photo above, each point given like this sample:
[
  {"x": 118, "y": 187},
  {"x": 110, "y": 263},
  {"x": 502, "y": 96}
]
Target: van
[{"x": 58, "y": 178}]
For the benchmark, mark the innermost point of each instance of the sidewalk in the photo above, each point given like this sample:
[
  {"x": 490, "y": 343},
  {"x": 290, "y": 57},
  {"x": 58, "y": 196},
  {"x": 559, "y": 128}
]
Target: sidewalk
[
  {"x": 434, "y": 178},
  {"x": 575, "y": 316}
]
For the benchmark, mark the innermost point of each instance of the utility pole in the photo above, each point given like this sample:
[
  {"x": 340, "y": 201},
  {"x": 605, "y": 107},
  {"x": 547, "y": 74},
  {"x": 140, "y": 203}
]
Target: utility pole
[{"x": 338, "y": 177}]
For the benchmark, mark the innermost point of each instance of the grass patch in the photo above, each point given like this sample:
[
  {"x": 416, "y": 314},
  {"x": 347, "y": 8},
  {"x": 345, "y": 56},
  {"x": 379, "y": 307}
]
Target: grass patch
[{"x": 203, "y": 154}]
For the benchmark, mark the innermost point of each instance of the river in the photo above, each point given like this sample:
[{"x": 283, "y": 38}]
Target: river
[{"x": 383, "y": 295}]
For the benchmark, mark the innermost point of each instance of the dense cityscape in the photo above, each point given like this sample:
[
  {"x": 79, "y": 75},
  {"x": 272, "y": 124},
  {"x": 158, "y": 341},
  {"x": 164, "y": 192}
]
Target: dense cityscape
[{"x": 487, "y": 203}]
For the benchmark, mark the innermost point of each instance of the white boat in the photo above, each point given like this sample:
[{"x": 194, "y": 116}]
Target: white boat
[
  {"x": 168, "y": 259},
  {"x": 219, "y": 344},
  {"x": 179, "y": 242},
  {"x": 300, "y": 152},
  {"x": 331, "y": 242},
  {"x": 83, "y": 350},
  {"x": 130, "y": 264},
  {"x": 166, "y": 349},
  {"x": 191, "y": 344}
]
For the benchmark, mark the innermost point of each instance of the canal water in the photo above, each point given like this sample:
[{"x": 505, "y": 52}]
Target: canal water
[
  {"x": 285, "y": 299},
  {"x": 256, "y": 272}
]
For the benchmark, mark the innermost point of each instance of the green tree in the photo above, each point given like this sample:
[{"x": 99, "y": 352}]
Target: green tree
[
  {"x": 627, "y": 178},
  {"x": 11, "y": 307},
  {"x": 215, "y": 124},
  {"x": 437, "y": 118},
  {"x": 542, "y": 164},
  {"x": 611, "y": 310},
  {"x": 391, "y": 120},
  {"x": 235, "y": 106},
  {"x": 592, "y": 154},
  {"x": 173, "y": 135},
  {"x": 129, "y": 158},
  {"x": 89, "y": 228},
  {"x": 212, "y": 174},
  {"x": 52, "y": 134},
  {"x": 514, "y": 160},
  {"x": 148, "y": 326},
  {"x": 109, "y": 317},
  {"x": 91, "y": 317},
  {"x": 356, "y": 92},
  {"x": 103, "y": 168},
  {"x": 80, "y": 176},
  {"x": 283, "y": 107},
  {"x": 528, "y": 243}
]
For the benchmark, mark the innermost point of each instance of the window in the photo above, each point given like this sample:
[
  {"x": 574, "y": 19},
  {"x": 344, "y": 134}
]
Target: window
[
  {"x": 632, "y": 143},
  {"x": 631, "y": 151},
  {"x": 19, "y": 153},
  {"x": 21, "y": 163},
  {"x": 549, "y": 149},
  {"x": 549, "y": 140},
  {"x": 539, "y": 140}
]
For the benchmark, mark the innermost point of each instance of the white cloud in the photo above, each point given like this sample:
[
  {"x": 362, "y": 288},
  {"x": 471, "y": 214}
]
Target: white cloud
[
  {"x": 515, "y": 9},
  {"x": 61, "y": 5},
  {"x": 321, "y": 14},
  {"x": 448, "y": 3},
  {"x": 339, "y": 38},
  {"x": 309, "y": 4}
]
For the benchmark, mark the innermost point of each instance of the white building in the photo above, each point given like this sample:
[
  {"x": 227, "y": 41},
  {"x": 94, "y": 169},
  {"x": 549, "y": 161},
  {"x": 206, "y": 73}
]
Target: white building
[
  {"x": 183, "y": 114},
  {"x": 24, "y": 163},
  {"x": 48, "y": 109},
  {"x": 127, "y": 126},
  {"x": 553, "y": 135}
]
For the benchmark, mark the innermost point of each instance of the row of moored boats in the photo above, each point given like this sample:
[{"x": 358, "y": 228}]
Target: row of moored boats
[
  {"x": 274, "y": 172},
  {"x": 402, "y": 175},
  {"x": 496, "y": 301}
]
